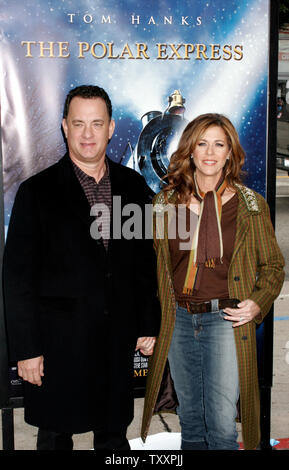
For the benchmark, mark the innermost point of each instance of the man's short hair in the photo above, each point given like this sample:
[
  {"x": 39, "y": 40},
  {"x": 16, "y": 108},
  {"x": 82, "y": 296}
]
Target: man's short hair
[{"x": 87, "y": 92}]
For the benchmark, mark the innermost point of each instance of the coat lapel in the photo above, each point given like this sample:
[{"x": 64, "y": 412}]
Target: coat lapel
[
  {"x": 118, "y": 184},
  {"x": 73, "y": 194},
  {"x": 242, "y": 224},
  {"x": 163, "y": 217},
  {"x": 118, "y": 200}
]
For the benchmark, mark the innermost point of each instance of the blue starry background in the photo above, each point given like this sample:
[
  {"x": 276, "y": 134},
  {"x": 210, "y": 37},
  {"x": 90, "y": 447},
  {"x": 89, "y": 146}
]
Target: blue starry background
[{"x": 33, "y": 89}]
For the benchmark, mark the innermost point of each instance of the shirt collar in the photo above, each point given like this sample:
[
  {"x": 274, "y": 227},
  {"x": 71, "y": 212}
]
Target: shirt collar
[{"x": 84, "y": 176}]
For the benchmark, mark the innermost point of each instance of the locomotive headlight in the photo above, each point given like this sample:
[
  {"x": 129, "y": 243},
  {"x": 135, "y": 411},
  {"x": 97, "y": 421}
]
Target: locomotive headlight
[{"x": 156, "y": 143}]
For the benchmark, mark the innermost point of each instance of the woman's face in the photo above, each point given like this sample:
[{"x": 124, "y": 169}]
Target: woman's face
[{"x": 210, "y": 154}]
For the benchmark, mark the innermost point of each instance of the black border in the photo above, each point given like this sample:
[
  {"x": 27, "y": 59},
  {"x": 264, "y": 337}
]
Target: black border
[
  {"x": 266, "y": 356},
  {"x": 4, "y": 379}
]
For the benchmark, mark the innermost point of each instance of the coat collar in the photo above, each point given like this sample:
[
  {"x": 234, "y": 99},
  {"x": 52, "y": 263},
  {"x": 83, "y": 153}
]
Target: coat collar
[
  {"x": 74, "y": 196},
  {"x": 73, "y": 191},
  {"x": 242, "y": 225},
  {"x": 245, "y": 194},
  {"x": 248, "y": 206}
]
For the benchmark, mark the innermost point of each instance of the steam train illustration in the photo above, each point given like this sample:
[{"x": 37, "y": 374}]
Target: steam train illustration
[{"x": 158, "y": 140}]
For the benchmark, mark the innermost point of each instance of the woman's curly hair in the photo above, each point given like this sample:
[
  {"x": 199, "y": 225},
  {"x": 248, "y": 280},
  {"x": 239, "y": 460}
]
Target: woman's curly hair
[{"x": 181, "y": 168}]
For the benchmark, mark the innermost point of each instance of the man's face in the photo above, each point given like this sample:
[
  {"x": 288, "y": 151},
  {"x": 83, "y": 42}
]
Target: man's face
[{"x": 87, "y": 129}]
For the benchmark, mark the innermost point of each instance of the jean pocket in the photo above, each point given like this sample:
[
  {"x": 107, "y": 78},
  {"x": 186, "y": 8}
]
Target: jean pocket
[{"x": 221, "y": 314}]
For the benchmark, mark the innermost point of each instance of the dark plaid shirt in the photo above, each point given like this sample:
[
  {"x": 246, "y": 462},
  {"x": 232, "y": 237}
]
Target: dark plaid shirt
[{"x": 98, "y": 193}]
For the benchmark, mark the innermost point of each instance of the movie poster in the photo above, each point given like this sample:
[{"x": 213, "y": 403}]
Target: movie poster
[{"x": 162, "y": 64}]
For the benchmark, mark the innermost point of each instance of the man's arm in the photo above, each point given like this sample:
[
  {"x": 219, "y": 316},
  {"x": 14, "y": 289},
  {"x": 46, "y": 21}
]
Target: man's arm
[{"x": 21, "y": 268}]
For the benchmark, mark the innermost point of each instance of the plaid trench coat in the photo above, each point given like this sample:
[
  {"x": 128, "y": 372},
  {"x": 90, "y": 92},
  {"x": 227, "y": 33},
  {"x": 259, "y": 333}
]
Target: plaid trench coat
[{"x": 256, "y": 272}]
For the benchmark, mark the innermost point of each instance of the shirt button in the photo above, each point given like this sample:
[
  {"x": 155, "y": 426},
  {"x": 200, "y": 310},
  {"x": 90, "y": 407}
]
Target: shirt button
[{"x": 236, "y": 278}]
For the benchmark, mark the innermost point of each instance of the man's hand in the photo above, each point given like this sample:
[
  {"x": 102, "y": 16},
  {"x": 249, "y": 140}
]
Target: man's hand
[
  {"x": 146, "y": 345},
  {"x": 31, "y": 370}
]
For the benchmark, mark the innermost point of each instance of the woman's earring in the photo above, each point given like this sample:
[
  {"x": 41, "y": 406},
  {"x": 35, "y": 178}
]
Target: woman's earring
[{"x": 191, "y": 156}]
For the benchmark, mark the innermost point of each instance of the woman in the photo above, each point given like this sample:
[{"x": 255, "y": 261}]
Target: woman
[{"x": 214, "y": 287}]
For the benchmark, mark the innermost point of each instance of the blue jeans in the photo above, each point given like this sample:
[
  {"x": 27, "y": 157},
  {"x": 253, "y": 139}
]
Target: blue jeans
[{"x": 204, "y": 369}]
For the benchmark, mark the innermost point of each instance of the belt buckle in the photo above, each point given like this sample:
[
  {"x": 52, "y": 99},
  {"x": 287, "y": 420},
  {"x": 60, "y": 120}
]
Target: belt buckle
[{"x": 214, "y": 305}]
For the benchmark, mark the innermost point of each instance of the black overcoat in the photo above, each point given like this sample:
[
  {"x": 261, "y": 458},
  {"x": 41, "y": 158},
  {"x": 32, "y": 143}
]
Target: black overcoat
[{"x": 79, "y": 306}]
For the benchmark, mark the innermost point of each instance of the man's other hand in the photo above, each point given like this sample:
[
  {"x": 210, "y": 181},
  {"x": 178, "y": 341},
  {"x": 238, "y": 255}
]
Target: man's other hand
[
  {"x": 146, "y": 345},
  {"x": 31, "y": 370}
]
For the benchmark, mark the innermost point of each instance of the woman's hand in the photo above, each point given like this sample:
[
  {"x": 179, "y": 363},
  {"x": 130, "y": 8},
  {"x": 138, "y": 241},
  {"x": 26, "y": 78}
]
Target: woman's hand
[{"x": 247, "y": 310}]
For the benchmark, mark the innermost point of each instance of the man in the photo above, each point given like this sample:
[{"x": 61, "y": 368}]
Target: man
[{"x": 78, "y": 305}]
